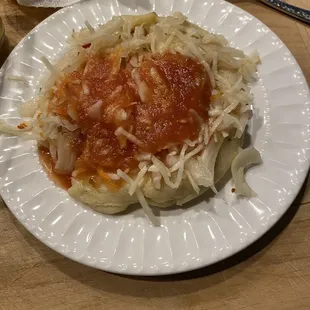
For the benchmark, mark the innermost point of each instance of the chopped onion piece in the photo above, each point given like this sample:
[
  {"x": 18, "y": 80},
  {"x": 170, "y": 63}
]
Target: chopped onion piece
[
  {"x": 72, "y": 112},
  {"x": 121, "y": 115},
  {"x": 249, "y": 156},
  {"x": 95, "y": 110},
  {"x": 66, "y": 156},
  {"x": 143, "y": 90},
  {"x": 85, "y": 89},
  {"x": 121, "y": 131}
]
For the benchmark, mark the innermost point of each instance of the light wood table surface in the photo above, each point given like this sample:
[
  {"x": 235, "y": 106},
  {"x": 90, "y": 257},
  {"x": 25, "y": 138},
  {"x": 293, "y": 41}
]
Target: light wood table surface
[{"x": 274, "y": 273}]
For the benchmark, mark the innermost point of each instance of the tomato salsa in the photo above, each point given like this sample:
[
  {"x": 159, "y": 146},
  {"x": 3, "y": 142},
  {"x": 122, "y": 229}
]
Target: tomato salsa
[{"x": 153, "y": 97}]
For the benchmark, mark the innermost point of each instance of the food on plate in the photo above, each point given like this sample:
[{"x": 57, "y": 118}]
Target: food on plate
[{"x": 143, "y": 109}]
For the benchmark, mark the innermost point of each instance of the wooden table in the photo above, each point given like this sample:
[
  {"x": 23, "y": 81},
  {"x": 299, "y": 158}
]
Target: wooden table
[{"x": 276, "y": 276}]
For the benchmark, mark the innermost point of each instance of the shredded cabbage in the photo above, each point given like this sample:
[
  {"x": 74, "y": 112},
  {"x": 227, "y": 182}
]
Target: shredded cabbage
[
  {"x": 181, "y": 168},
  {"x": 135, "y": 184},
  {"x": 163, "y": 170},
  {"x": 148, "y": 211}
]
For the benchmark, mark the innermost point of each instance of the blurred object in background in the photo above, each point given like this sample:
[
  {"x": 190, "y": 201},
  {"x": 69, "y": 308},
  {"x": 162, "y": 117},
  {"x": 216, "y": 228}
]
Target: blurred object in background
[
  {"x": 294, "y": 11},
  {"x": 47, "y": 3}
]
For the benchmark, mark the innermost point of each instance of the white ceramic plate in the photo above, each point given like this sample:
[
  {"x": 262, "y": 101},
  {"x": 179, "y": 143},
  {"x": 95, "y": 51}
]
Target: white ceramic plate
[{"x": 189, "y": 238}]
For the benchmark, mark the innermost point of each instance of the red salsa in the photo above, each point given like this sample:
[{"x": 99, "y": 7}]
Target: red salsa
[{"x": 153, "y": 101}]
